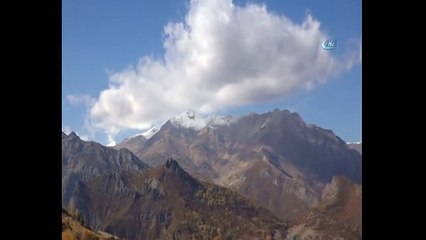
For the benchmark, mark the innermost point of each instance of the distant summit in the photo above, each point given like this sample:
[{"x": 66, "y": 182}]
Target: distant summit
[{"x": 192, "y": 119}]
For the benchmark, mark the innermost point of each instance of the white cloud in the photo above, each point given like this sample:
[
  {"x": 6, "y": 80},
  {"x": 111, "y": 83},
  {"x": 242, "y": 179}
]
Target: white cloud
[
  {"x": 111, "y": 141},
  {"x": 220, "y": 56},
  {"x": 85, "y": 99},
  {"x": 84, "y": 137}
]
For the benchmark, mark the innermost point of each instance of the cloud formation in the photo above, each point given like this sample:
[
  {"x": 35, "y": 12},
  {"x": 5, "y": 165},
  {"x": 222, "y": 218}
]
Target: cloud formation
[
  {"x": 220, "y": 56},
  {"x": 77, "y": 99}
]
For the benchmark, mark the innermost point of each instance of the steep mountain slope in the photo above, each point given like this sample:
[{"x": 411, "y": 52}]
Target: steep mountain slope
[
  {"x": 338, "y": 216},
  {"x": 72, "y": 229},
  {"x": 165, "y": 202},
  {"x": 272, "y": 158},
  {"x": 83, "y": 160},
  {"x": 132, "y": 143}
]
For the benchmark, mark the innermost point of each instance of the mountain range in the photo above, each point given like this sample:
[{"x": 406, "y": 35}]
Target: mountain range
[
  {"x": 115, "y": 192},
  {"x": 270, "y": 158},
  {"x": 259, "y": 176}
]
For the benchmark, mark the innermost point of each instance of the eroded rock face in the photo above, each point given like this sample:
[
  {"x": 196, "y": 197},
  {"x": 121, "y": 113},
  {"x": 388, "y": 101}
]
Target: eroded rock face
[{"x": 82, "y": 161}]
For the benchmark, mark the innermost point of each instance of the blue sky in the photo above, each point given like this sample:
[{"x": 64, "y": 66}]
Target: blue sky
[{"x": 104, "y": 40}]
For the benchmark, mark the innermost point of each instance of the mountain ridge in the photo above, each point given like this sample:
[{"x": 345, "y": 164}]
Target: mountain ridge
[
  {"x": 274, "y": 151},
  {"x": 162, "y": 202}
]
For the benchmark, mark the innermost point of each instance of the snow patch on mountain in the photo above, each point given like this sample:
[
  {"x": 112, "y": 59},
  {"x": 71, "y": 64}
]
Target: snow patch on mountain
[
  {"x": 192, "y": 119},
  {"x": 354, "y": 142},
  {"x": 111, "y": 144},
  {"x": 146, "y": 134},
  {"x": 150, "y": 132}
]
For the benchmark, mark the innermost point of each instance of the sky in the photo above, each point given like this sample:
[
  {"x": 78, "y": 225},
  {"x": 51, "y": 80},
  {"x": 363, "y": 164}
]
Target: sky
[{"x": 127, "y": 66}]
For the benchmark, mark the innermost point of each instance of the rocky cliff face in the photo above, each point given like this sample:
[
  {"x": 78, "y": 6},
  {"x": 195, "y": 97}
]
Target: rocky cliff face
[{"x": 82, "y": 161}]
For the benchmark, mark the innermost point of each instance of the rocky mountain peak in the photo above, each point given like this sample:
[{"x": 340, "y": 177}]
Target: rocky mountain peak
[
  {"x": 72, "y": 142},
  {"x": 83, "y": 160},
  {"x": 72, "y": 136}
]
